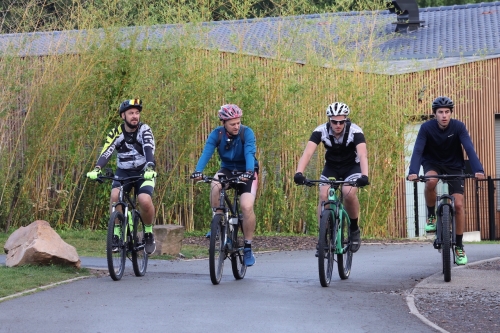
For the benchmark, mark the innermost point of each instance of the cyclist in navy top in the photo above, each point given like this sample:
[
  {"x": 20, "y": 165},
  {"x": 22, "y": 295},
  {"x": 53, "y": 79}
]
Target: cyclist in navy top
[
  {"x": 438, "y": 149},
  {"x": 346, "y": 158},
  {"x": 236, "y": 146}
]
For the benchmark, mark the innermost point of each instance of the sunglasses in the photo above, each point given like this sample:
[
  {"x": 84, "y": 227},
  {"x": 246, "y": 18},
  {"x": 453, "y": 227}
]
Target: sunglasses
[{"x": 338, "y": 122}]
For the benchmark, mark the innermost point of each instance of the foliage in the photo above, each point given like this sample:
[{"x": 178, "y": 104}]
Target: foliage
[{"x": 60, "y": 108}]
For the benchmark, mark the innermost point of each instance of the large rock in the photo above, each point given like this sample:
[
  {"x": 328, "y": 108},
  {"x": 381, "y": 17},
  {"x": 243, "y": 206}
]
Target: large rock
[
  {"x": 39, "y": 244},
  {"x": 168, "y": 239}
]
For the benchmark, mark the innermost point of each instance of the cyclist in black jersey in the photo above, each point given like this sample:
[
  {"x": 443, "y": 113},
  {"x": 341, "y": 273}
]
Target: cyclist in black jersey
[
  {"x": 346, "y": 158},
  {"x": 135, "y": 145},
  {"x": 438, "y": 148}
]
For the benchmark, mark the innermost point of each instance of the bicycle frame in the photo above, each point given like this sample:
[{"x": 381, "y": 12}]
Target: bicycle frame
[
  {"x": 445, "y": 210},
  {"x": 335, "y": 199},
  {"x": 130, "y": 242},
  {"x": 230, "y": 210},
  {"x": 334, "y": 233},
  {"x": 224, "y": 242}
]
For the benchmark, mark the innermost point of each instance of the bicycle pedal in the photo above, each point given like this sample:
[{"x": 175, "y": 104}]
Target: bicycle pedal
[{"x": 436, "y": 245}]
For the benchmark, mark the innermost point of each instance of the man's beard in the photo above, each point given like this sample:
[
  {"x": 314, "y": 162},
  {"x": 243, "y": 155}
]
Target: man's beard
[{"x": 130, "y": 125}]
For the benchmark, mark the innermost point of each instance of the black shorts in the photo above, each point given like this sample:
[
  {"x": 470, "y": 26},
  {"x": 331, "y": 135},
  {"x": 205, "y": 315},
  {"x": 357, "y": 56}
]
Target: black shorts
[
  {"x": 140, "y": 186},
  {"x": 351, "y": 172},
  {"x": 250, "y": 185},
  {"x": 454, "y": 186}
]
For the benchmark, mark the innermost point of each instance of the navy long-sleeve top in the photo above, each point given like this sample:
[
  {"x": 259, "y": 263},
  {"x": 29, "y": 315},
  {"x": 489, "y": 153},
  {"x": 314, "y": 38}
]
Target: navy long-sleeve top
[{"x": 444, "y": 147}]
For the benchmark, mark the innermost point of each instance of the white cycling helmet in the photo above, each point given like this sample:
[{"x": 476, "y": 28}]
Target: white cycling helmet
[{"x": 337, "y": 109}]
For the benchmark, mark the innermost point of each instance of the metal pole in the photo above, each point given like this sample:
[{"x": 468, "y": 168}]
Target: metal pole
[
  {"x": 415, "y": 202},
  {"x": 478, "y": 217},
  {"x": 491, "y": 207}
]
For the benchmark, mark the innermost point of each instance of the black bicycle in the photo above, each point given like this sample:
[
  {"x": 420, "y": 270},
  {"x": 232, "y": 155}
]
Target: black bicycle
[
  {"x": 130, "y": 241},
  {"x": 226, "y": 234},
  {"x": 334, "y": 232},
  {"x": 445, "y": 225}
]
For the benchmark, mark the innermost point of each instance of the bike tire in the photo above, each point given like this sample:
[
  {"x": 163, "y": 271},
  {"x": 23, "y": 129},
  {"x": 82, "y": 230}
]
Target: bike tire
[
  {"x": 216, "y": 250},
  {"x": 139, "y": 255},
  {"x": 325, "y": 248},
  {"x": 446, "y": 242},
  {"x": 116, "y": 256},
  {"x": 344, "y": 258},
  {"x": 237, "y": 259}
]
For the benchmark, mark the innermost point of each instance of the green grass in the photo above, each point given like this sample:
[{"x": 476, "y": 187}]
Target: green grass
[{"x": 17, "y": 279}]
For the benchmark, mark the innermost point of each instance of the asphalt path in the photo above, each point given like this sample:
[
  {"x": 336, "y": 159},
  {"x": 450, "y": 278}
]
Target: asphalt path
[{"x": 280, "y": 293}]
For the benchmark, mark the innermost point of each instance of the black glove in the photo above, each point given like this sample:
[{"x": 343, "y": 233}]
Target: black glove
[
  {"x": 299, "y": 178},
  {"x": 196, "y": 174},
  {"x": 362, "y": 181},
  {"x": 247, "y": 175}
]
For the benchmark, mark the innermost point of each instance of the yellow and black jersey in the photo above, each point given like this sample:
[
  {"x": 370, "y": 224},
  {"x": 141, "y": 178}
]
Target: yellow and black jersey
[{"x": 134, "y": 149}]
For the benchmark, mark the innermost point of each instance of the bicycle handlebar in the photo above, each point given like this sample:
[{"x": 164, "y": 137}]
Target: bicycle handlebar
[
  {"x": 310, "y": 182},
  {"x": 122, "y": 180},
  {"x": 223, "y": 180},
  {"x": 424, "y": 178}
]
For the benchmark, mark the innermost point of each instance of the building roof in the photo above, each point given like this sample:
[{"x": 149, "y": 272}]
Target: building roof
[{"x": 448, "y": 36}]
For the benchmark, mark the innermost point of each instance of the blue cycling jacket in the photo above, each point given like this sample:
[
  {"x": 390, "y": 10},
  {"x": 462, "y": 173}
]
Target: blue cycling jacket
[
  {"x": 444, "y": 147},
  {"x": 237, "y": 156}
]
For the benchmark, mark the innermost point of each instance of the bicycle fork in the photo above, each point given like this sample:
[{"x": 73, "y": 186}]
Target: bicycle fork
[{"x": 438, "y": 241}]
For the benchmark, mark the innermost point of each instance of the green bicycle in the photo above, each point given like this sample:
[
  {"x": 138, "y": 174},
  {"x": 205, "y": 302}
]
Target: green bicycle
[{"x": 334, "y": 232}]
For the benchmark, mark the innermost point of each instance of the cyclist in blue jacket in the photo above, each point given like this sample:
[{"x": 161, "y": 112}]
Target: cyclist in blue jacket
[
  {"x": 236, "y": 146},
  {"x": 438, "y": 148}
]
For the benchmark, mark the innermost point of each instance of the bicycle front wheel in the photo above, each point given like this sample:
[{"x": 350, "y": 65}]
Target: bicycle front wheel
[
  {"x": 139, "y": 255},
  {"x": 325, "y": 248},
  {"x": 216, "y": 250},
  {"x": 446, "y": 242},
  {"x": 344, "y": 257},
  {"x": 116, "y": 250},
  {"x": 237, "y": 261}
]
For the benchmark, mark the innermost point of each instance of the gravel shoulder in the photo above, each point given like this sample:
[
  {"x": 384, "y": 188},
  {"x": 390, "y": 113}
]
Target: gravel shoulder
[{"x": 470, "y": 303}]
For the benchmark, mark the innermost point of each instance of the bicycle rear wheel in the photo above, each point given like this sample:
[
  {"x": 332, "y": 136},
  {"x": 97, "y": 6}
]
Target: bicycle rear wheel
[
  {"x": 344, "y": 259},
  {"x": 139, "y": 255},
  {"x": 116, "y": 253},
  {"x": 325, "y": 247},
  {"x": 216, "y": 250},
  {"x": 237, "y": 262},
  {"x": 446, "y": 242}
]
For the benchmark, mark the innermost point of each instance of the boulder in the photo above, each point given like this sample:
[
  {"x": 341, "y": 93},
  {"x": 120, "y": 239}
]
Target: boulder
[
  {"x": 168, "y": 239},
  {"x": 39, "y": 244}
]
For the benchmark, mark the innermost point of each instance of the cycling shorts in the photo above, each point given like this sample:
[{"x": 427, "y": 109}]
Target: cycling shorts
[
  {"x": 350, "y": 172},
  {"x": 140, "y": 186},
  {"x": 250, "y": 185},
  {"x": 454, "y": 186}
]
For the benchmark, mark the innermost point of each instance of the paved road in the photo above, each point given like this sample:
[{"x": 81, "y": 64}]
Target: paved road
[{"x": 281, "y": 293}]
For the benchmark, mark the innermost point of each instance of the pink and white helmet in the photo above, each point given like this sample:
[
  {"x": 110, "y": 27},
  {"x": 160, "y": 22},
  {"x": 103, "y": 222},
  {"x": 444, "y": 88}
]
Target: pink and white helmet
[{"x": 230, "y": 111}]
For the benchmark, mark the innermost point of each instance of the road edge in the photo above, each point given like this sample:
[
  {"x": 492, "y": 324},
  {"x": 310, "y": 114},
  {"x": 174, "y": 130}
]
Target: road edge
[{"x": 410, "y": 298}]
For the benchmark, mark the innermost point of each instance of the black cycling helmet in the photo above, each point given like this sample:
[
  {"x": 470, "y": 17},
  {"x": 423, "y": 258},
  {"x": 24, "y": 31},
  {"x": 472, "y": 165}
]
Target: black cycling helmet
[
  {"x": 442, "y": 102},
  {"x": 129, "y": 104}
]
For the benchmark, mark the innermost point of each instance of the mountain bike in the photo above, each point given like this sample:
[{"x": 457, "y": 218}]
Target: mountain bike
[
  {"x": 445, "y": 225},
  {"x": 226, "y": 233},
  {"x": 334, "y": 232},
  {"x": 131, "y": 243}
]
